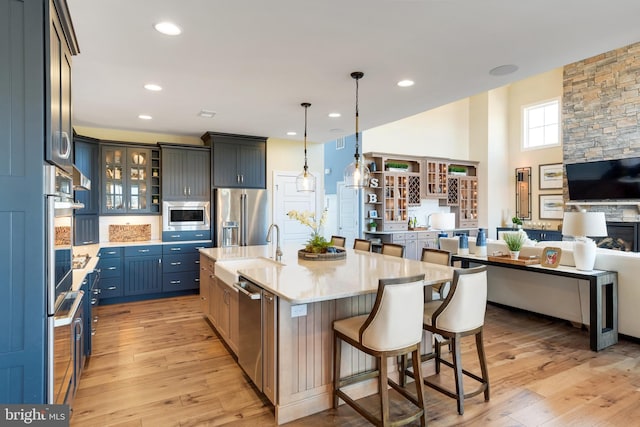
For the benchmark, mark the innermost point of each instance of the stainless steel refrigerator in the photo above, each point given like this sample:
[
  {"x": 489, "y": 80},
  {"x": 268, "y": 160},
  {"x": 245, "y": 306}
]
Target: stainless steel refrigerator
[{"x": 240, "y": 217}]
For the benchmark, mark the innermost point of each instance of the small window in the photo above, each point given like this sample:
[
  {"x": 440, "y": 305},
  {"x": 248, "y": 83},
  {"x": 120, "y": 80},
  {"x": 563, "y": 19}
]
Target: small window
[
  {"x": 541, "y": 125},
  {"x": 340, "y": 143}
]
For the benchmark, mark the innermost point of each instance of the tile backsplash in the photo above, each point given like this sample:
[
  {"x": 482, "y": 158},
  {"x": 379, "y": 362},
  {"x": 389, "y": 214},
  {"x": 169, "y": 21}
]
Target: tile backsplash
[{"x": 153, "y": 222}]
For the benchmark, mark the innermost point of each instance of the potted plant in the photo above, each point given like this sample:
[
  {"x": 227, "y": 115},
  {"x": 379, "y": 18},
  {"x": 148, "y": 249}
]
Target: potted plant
[
  {"x": 517, "y": 222},
  {"x": 398, "y": 167},
  {"x": 514, "y": 242},
  {"x": 373, "y": 226}
]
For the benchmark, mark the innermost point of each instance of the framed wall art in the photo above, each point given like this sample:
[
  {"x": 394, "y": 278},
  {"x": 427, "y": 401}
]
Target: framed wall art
[
  {"x": 551, "y": 206},
  {"x": 550, "y": 176}
]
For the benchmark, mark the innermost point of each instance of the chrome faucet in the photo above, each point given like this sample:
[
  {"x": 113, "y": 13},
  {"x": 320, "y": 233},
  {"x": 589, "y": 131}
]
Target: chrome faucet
[{"x": 278, "y": 250}]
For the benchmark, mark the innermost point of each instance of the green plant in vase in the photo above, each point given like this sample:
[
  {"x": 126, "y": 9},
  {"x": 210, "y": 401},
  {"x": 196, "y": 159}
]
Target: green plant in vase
[
  {"x": 514, "y": 242},
  {"x": 373, "y": 226},
  {"x": 317, "y": 244}
]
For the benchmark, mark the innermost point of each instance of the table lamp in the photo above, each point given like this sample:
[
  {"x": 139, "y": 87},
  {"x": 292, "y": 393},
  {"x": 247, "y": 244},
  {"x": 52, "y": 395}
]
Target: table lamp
[{"x": 580, "y": 225}]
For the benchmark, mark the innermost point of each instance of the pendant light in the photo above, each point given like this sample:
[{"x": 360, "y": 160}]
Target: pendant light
[
  {"x": 305, "y": 181},
  {"x": 356, "y": 174}
]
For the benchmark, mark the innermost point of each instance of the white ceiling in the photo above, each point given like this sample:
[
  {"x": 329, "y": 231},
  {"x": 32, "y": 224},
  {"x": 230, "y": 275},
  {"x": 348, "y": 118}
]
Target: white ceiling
[{"x": 254, "y": 61}]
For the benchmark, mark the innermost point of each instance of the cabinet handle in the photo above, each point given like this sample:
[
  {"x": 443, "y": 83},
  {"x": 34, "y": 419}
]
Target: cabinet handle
[
  {"x": 96, "y": 291},
  {"x": 197, "y": 280},
  {"x": 197, "y": 261},
  {"x": 175, "y": 236},
  {"x": 159, "y": 261},
  {"x": 112, "y": 288},
  {"x": 269, "y": 298},
  {"x": 188, "y": 191},
  {"x": 143, "y": 250},
  {"x": 184, "y": 191},
  {"x": 87, "y": 242},
  {"x": 112, "y": 268},
  {"x": 175, "y": 282},
  {"x": 242, "y": 178},
  {"x": 238, "y": 178},
  {"x": 176, "y": 249},
  {"x": 176, "y": 263},
  {"x": 94, "y": 301},
  {"x": 111, "y": 253}
]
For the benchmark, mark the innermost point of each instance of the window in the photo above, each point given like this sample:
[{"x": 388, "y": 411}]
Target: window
[
  {"x": 541, "y": 125},
  {"x": 340, "y": 143}
]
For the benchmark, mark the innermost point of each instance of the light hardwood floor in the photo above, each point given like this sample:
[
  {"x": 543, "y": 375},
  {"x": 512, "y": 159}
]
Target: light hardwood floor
[{"x": 158, "y": 363}]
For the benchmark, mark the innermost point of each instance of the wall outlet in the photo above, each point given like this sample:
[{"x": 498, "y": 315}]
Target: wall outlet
[{"x": 299, "y": 310}]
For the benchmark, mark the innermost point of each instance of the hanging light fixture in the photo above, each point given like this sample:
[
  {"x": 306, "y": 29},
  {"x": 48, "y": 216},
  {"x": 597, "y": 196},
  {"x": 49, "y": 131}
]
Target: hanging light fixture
[
  {"x": 356, "y": 174},
  {"x": 305, "y": 181}
]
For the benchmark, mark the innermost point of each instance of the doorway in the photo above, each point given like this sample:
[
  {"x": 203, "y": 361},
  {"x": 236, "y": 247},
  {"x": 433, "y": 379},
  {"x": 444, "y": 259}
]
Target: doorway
[{"x": 286, "y": 198}]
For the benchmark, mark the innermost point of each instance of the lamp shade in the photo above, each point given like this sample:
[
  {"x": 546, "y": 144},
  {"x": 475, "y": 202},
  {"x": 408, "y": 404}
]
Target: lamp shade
[
  {"x": 443, "y": 220},
  {"x": 581, "y": 224}
]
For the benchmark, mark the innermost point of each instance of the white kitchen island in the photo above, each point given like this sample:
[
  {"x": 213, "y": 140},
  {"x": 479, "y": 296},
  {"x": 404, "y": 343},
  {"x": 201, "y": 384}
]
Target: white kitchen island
[{"x": 309, "y": 296}]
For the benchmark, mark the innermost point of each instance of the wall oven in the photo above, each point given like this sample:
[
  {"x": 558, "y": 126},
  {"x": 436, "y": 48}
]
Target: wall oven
[
  {"x": 185, "y": 216},
  {"x": 59, "y": 204}
]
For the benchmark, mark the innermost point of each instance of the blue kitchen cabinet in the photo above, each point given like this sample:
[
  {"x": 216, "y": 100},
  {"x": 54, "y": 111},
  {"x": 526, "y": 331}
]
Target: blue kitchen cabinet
[
  {"x": 181, "y": 266},
  {"x": 87, "y": 160},
  {"x": 186, "y": 173},
  {"x": 142, "y": 270},
  {"x": 86, "y": 230},
  {"x": 111, "y": 283},
  {"x": 30, "y": 110},
  {"x": 239, "y": 161}
]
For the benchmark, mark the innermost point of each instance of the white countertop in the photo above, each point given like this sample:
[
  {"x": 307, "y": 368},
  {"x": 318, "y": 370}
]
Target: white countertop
[{"x": 300, "y": 281}]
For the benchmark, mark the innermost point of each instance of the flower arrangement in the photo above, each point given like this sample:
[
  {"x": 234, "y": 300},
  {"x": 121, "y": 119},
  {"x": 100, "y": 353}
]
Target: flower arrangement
[{"x": 317, "y": 243}]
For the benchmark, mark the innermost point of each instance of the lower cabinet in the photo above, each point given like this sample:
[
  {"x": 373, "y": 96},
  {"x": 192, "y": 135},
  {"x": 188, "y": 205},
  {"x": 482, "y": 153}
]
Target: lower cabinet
[
  {"x": 219, "y": 302},
  {"x": 226, "y": 299},
  {"x": 269, "y": 346},
  {"x": 142, "y": 270}
]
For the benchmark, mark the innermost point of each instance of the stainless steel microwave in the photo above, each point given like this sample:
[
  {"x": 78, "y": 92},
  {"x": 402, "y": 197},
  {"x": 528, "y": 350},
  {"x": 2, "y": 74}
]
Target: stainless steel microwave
[{"x": 185, "y": 216}]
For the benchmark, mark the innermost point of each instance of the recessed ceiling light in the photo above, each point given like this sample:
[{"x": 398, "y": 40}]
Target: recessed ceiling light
[
  {"x": 503, "y": 70},
  {"x": 168, "y": 28},
  {"x": 336, "y": 130},
  {"x": 406, "y": 83},
  {"x": 153, "y": 87},
  {"x": 145, "y": 117},
  {"x": 207, "y": 114},
  {"x": 291, "y": 133},
  {"x": 334, "y": 115}
]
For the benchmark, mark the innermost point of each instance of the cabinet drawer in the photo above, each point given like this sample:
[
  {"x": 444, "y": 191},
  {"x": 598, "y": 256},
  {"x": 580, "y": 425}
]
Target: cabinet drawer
[
  {"x": 177, "y": 263},
  {"x": 110, "y": 287},
  {"x": 110, "y": 253},
  {"x": 110, "y": 267},
  {"x": 398, "y": 237},
  {"x": 180, "y": 281},
  {"x": 396, "y": 226},
  {"x": 181, "y": 236},
  {"x": 143, "y": 250},
  {"x": 184, "y": 248}
]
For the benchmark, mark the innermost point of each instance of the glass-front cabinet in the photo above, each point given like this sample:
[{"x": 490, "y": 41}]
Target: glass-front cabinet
[
  {"x": 130, "y": 180},
  {"x": 395, "y": 201}
]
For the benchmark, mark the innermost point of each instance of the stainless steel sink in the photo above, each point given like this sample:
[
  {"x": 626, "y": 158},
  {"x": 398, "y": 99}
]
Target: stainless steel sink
[{"x": 227, "y": 271}]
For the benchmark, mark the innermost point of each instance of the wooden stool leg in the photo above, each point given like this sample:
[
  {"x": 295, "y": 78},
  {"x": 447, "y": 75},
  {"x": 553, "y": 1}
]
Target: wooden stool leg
[
  {"x": 384, "y": 391},
  {"x": 417, "y": 369},
  {"x": 402, "y": 376},
  {"x": 438, "y": 355},
  {"x": 336, "y": 369},
  {"x": 483, "y": 363},
  {"x": 457, "y": 364}
]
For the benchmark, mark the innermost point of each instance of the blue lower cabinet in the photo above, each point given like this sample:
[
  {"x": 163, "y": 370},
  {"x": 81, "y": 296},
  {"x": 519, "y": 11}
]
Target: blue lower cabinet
[
  {"x": 179, "y": 263},
  {"x": 111, "y": 287},
  {"x": 181, "y": 236},
  {"x": 180, "y": 281},
  {"x": 142, "y": 274}
]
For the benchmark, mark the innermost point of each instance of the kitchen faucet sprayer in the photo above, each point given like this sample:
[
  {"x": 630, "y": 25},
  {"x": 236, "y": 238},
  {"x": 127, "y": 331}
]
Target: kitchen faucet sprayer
[{"x": 278, "y": 250}]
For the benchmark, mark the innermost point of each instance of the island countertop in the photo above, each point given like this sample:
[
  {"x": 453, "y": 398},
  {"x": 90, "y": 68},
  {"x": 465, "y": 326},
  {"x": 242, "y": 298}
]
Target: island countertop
[{"x": 301, "y": 281}]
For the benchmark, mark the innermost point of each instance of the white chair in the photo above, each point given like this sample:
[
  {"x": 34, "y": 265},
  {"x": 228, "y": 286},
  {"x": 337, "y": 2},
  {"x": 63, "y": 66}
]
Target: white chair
[
  {"x": 460, "y": 314},
  {"x": 393, "y": 327}
]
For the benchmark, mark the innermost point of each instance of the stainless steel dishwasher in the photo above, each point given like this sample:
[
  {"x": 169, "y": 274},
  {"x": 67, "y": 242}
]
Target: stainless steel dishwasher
[{"x": 250, "y": 324}]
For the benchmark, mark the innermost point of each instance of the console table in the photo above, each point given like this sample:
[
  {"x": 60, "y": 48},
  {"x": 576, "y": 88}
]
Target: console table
[{"x": 603, "y": 318}]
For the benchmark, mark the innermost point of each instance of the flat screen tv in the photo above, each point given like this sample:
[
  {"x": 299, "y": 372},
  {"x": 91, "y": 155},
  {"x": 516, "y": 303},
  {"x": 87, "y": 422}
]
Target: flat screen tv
[{"x": 604, "y": 180}]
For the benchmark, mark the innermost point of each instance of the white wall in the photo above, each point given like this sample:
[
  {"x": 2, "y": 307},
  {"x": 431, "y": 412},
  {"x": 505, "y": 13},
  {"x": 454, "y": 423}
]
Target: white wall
[{"x": 441, "y": 132}]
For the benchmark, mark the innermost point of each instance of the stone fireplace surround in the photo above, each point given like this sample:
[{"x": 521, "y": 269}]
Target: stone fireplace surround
[{"x": 600, "y": 121}]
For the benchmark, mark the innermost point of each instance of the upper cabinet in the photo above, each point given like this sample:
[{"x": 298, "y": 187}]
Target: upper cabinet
[
  {"x": 87, "y": 160},
  {"x": 435, "y": 173},
  {"x": 185, "y": 173},
  {"x": 239, "y": 161},
  {"x": 462, "y": 194},
  {"x": 394, "y": 186},
  {"x": 59, "y": 146},
  {"x": 130, "y": 179}
]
